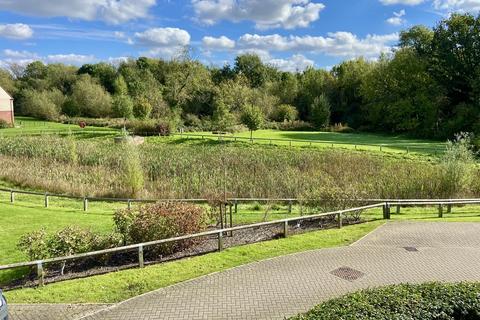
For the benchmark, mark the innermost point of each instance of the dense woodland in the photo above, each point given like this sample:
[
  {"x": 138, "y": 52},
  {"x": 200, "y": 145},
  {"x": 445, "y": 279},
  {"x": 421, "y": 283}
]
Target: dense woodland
[{"x": 428, "y": 87}]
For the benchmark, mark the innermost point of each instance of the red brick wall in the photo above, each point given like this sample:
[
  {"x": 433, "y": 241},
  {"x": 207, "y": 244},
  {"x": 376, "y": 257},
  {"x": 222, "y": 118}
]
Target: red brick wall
[{"x": 6, "y": 115}]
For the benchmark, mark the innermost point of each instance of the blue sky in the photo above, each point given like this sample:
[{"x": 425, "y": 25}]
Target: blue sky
[{"x": 291, "y": 34}]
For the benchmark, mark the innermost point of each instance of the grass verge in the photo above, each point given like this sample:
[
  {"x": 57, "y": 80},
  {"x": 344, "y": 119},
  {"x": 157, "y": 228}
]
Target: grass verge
[{"x": 115, "y": 287}]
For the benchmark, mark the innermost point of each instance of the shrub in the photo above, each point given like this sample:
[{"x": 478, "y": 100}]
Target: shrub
[
  {"x": 35, "y": 245},
  {"x": 457, "y": 165},
  {"x": 285, "y": 112},
  {"x": 4, "y": 124},
  {"x": 342, "y": 128},
  {"x": 68, "y": 241},
  {"x": 160, "y": 221},
  {"x": 151, "y": 127},
  {"x": 416, "y": 302}
]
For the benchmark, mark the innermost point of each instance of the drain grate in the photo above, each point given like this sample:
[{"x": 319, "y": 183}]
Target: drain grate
[
  {"x": 411, "y": 249},
  {"x": 347, "y": 273}
]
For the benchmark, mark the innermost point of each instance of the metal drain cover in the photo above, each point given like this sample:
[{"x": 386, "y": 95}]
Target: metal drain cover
[
  {"x": 347, "y": 273},
  {"x": 411, "y": 249}
]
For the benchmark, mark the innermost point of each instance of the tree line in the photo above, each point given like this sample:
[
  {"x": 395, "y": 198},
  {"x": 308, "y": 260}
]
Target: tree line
[{"x": 429, "y": 86}]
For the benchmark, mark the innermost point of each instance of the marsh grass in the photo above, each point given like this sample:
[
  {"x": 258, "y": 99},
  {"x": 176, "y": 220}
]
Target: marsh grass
[{"x": 164, "y": 170}]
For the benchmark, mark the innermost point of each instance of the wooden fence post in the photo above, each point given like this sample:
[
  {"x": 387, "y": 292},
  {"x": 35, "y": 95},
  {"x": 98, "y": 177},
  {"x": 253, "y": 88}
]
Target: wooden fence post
[
  {"x": 236, "y": 206},
  {"x": 40, "y": 274},
  {"x": 231, "y": 219},
  {"x": 12, "y": 196},
  {"x": 386, "y": 211},
  {"x": 440, "y": 211},
  {"x": 129, "y": 204},
  {"x": 141, "y": 262},
  {"x": 398, "y": 209},
  {"x": 285, "y": 229},
  {"x": 46, "y": 200},
  {"x": 340, "y": 222},
  {"x": 220, "y": 241},
  {"x": 449, "y": 208},
  {"x": 85, "y": 204}
]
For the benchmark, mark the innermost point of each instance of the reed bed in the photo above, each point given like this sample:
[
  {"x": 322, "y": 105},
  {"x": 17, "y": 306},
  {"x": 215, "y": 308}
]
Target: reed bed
[{"x": 97, "y": 168}]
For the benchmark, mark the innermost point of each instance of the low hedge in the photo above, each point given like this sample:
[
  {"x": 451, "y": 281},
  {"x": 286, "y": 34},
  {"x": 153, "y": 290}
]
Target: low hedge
[{"x": 437, "y": 301}]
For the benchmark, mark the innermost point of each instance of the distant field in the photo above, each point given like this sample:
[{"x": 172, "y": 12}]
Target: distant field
[
  {"x": 31, "y": 126},
  {"x": 359, "y": 141}
]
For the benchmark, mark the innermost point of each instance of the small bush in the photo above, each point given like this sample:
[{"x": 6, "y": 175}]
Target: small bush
[
  {"x": 285, "y": 113},
  {"x": 68, "y": 241},
  {"x": 341, "y": 128},
  {"x": 4, "y": 124},
  {"x": 416, "y": 302},
  {"x": 160, "y": 221},
  {"x": 150, "y": 127},
  {"x": 132, "y": 177}
]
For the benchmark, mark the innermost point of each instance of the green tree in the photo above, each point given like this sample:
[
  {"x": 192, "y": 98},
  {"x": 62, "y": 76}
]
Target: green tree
[
  {"x": 142, "y": 108},
  {"x": 122, "y": 106},
  {"x": 418, "y": 38},
  {"x": 320, "y": 116},
  {"x": 90, "y": 98},
  {"x": 222, "y": 118},
  {"x": 252, "y": 118},
  {"x": 252, "y": 67}
]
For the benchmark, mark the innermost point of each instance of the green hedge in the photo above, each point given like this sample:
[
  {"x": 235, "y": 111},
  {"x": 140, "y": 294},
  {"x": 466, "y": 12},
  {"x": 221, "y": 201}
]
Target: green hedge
[{"x": 401, "y": 302}]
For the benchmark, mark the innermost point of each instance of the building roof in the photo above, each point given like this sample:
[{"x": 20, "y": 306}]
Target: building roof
[{"x": 4, "y": 94}]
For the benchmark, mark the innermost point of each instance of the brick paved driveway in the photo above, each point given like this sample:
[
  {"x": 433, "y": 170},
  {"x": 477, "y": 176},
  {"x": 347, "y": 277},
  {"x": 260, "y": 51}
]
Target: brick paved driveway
[{"x": 284, "y": 286}]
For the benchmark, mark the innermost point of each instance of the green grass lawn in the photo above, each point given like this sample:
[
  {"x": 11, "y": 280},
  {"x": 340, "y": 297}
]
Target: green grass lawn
[
  {"x": 359, "y": 141},
  {"x": 31, "y": 126}
]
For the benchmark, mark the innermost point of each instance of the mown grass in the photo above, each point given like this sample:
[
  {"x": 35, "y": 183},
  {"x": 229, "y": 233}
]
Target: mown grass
[
  {"x": 31, "y": 126},
  {"x": 358, "y": 141}
]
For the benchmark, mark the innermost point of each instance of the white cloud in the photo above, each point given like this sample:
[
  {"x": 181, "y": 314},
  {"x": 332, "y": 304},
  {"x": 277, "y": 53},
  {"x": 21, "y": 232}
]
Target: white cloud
[
  {"x": 72, "y": 59},
  {"x": 18, "y": 31},
  {"x": 163, "y": 37},
  {"x": 111, "y": 11},
  {"x": 457, "y": 5},
  {"x": 288, "y": 14},
  {"x": 340, "y": 44},
  {"x": 402, "y": 2},
  {"x": 397, "y": 19},
  {"x": 221, "y": 43},
  {"x": 19, "y": 54},
  {"x": 163, "y": 42},
  {"x": 296, "y": 63}
]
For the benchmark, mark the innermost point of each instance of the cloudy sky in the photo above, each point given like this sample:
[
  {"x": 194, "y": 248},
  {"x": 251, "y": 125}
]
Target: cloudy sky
[{"x": 291, "y": 34}]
